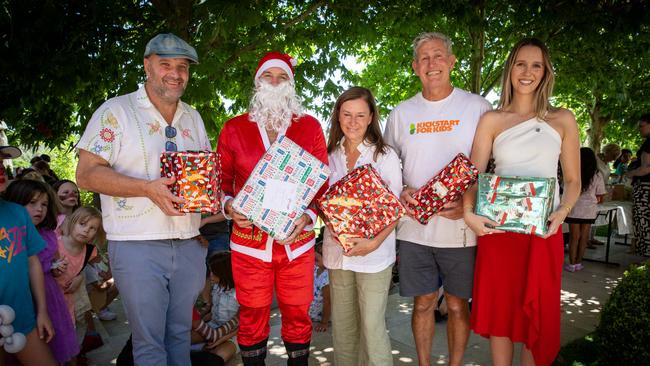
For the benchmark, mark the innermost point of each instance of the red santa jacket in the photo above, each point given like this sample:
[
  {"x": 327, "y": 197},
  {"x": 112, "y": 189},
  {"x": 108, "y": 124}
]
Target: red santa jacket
[{"x": 242, "y": 143}]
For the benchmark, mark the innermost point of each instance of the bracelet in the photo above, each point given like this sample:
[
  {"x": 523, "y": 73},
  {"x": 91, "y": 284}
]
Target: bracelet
[
  {"x": 470, "y": 207},
  {"x": 566, "y": 207}
]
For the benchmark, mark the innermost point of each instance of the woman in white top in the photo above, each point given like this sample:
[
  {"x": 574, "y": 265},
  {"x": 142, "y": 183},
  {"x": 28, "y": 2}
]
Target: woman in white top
[
  {"x": 360, "y": 278},
  {"x": 516, "y": 295}
]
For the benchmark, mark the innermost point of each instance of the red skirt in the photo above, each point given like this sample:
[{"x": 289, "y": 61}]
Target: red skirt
[{"x": 517, "y": 281}]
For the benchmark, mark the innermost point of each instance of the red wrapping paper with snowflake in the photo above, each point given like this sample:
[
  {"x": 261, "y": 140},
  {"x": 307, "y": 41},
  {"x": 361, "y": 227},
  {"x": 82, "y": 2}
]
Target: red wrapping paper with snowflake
[
  {"x": 446, "y": 186},
  {"x": 197, "y": 179},
  {"x": 360, "y": 205}
]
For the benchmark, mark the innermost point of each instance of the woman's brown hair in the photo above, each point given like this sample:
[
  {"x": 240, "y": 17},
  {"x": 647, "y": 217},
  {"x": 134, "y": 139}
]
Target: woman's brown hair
[{"x": 373, "y": 133}]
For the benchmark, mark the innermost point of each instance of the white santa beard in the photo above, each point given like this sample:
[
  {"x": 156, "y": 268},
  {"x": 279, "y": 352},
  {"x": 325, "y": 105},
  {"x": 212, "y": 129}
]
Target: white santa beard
[{"x": 273, "y": 107}]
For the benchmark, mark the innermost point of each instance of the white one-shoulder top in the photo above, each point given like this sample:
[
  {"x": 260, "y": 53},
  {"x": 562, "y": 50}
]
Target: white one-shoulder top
[{"x": 531, "y": 149}]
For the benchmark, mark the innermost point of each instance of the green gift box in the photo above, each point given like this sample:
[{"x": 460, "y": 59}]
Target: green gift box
[{"x": 518, "y": 204}]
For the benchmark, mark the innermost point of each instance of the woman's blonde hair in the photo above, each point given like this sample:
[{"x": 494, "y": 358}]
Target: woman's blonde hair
[
  {"x": 545, "y": 87},
  {"x": 82, "y": 215}
]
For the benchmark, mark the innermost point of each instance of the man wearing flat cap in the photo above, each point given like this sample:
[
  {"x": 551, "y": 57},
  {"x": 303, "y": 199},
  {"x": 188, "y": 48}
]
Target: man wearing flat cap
[
  {"x": 259, "y": 263},
  {"x": 158, "y": 265}
]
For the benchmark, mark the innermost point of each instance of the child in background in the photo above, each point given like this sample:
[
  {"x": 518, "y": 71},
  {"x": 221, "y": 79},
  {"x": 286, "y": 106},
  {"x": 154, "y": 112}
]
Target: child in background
[
  {"x": 621, "y": 164},
  {"x": 43, "y": 168},
  {"x": 219, "y": 330},
  {"x": 30, "y": 174},
  {"x": 40, "y": 202},
  {"x": 584, "y": 212},
  {"x": 101, "y": 287},
  {"x": 68, "y": 194},
  {"x": 320, "y": 308},
  {"x": 78, "y": 230},
  {"x": 20, "y": 269}
]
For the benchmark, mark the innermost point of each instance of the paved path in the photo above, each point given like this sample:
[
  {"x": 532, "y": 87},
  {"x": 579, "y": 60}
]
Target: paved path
[{"x": 583, "y": 294}]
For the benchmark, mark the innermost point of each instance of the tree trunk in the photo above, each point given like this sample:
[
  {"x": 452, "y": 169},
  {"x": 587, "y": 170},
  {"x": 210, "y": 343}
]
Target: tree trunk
[
  {"x": 477, "y": 35},
  {"x": 598, "y": 123}
]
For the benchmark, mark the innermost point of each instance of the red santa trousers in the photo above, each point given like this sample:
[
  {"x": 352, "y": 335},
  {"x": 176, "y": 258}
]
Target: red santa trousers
[{"x": 294, "y": 285}]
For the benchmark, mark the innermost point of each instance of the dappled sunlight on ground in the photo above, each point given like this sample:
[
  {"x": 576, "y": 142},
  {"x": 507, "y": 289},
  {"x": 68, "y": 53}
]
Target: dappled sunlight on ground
[
  {"x": 440, "y": 360},
  {"x": 572, "y": 303},
  {"x": 405, "y": 307},
  {"x": 588, "y": 296},
  {"x": 324, "y": 356},
  {"x": 610, "y": 283},
  {"x": 276, "y": 348}
]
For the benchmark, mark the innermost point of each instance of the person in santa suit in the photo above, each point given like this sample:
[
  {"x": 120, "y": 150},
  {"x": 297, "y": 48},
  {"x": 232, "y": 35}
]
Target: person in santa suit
[{"x": 259, "y": 263}]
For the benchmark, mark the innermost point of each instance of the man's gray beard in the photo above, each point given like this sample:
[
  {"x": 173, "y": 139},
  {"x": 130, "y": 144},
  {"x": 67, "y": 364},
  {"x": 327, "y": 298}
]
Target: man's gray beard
[
  {"x": 273, "y": 107},
  {"x": 158, "y": 87}
]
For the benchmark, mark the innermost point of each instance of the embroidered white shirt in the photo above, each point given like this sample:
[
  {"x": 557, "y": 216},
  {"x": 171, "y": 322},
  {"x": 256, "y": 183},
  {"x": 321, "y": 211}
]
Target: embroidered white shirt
[
  {"x": 388, "y": 167},
  {"x": 129, "y": 132}
]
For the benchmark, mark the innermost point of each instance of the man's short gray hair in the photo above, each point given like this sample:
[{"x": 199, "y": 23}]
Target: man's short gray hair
[{"x": 430, "y": 36}]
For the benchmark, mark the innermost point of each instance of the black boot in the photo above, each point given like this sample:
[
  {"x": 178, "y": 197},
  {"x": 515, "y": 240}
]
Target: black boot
[
  {"x": 254, "y": 355},
  {"x": 298, "y": 353}
]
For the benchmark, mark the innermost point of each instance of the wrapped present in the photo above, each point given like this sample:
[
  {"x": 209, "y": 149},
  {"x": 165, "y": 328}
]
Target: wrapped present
[
  {"x": 281, "y": 187},
  {"x": 197, "y": 179},
  {"x": 360, "y": 205},
  {"x": 518, "y": 204},
  {"x": 446, "y": 186}
]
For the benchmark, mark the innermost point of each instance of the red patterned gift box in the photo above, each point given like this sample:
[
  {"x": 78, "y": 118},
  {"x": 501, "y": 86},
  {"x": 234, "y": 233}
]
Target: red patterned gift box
[
  {"x": 197, "y": 179},
  {"x": 360, "y": 205},
  {"x": 446, "y": 186}
]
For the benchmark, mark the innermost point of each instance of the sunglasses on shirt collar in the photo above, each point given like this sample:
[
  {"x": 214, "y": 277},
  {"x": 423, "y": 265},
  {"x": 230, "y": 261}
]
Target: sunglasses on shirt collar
[{"x": 170, "y": 133}]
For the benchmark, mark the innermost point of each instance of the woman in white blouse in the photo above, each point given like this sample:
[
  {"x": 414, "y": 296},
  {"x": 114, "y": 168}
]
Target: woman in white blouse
[{"x": 360, "y": 279}]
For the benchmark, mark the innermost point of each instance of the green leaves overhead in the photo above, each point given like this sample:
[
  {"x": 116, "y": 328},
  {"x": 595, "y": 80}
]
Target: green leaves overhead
[
  {"x": 64, "y": 58},
  {"x": 61, "y": 59},
  {"x": 603, "y": 68}
]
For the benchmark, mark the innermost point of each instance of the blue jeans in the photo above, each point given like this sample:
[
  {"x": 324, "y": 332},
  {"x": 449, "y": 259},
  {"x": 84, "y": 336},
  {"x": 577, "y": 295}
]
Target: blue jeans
[
  {"x": 220, "y": 243},
  {"x": 159, "y": 281}
]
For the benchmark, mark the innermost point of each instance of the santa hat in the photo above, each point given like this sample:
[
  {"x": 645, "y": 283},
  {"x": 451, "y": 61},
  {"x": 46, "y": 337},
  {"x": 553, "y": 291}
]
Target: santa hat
[{"x": 276, "y": 59}]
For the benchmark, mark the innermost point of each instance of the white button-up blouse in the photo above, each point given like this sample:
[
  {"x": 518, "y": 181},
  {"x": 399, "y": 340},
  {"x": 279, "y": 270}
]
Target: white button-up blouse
[{"x": 388, "y": 167}]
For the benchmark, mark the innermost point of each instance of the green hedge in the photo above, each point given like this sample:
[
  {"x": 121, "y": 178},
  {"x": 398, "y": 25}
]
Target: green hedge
[
  {"x": 623, "y": 335},
  {"x": 579, "y": 352}
]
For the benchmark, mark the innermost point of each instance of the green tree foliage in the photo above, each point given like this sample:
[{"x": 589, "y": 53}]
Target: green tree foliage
[
  {"x": 603, "y": 68},
  {"x": 67, "y": 57},
  {"x": 599, "y": 50},
  {"x": 482, "y": 33},
  {"x": 63, "y": 162},
  {"x": 64, "y": 58}
]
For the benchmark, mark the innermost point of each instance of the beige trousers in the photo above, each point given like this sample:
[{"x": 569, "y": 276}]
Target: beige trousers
[{"x": 359, "y": 317}]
